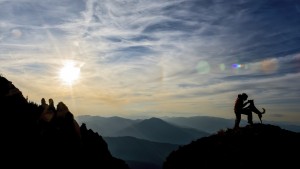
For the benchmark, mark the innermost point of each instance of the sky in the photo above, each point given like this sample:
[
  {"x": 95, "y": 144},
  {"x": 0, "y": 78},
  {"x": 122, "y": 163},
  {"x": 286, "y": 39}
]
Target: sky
[{"x": 142, "y": 58}]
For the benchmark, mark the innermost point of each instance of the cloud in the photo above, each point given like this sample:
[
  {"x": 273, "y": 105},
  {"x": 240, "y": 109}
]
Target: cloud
[{"x": 159, "y": 54}]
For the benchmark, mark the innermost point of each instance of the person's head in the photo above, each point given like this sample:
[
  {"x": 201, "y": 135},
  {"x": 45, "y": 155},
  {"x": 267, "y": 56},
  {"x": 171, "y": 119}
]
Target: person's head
[{"x": 244, "y": 96}]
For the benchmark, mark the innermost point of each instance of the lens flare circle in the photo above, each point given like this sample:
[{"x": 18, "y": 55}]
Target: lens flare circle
[{"x": 203, "y": 67}]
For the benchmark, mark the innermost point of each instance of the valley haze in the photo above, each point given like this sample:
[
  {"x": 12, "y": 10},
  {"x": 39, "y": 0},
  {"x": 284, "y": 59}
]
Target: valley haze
[{"x": 112, "y": 126}]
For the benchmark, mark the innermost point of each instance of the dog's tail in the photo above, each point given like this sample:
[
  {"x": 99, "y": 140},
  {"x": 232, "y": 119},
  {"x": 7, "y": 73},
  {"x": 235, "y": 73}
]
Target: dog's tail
[{"x": 264, "y": 111}]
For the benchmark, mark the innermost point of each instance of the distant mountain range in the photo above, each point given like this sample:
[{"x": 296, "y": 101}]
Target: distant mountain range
[
  {"x": 141, "y": 143},
  {"x": 203, "y": 123},
  {"x": 107, "y": 126},
  {"x": 214, "y": 124},
  {"x": 153, "y": 129}
]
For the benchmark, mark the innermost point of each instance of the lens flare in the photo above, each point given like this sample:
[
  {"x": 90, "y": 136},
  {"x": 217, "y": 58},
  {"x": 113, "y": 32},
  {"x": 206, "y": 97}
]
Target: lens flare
[
  {"x": 239, "y": 66},
  {"x": 236, "y": 66},
  {"x": 203, "y": 67},
  {"x": 269, "y": 66},
  {"x": 222, "y": 67}
]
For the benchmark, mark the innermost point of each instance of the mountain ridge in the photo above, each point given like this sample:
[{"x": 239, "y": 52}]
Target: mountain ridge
[
  {"x": 157, "y": 130},
  {"x": 152, "y": 129}
]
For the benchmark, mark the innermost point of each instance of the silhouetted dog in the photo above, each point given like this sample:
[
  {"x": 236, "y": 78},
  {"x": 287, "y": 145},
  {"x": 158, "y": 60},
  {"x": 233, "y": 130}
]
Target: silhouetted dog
[{"x": 255, "y": 110}]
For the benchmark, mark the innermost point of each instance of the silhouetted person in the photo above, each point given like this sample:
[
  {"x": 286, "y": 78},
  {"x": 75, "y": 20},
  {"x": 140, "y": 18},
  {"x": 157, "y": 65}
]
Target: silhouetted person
[{"x": 239, "y": 109}]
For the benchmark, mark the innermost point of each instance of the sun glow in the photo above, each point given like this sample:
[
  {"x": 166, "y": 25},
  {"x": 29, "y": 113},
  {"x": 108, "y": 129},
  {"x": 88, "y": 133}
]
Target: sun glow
[{"x": 69, "y": 73}]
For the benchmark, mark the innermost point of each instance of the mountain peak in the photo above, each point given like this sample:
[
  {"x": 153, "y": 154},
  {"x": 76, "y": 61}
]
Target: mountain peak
[
  {"x": 154, "y": 120},
  {"x": 260, "y": 145}
]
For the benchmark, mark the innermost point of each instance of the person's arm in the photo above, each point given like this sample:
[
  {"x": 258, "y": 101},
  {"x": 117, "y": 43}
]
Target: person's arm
[{"x": 244, "y": 104}]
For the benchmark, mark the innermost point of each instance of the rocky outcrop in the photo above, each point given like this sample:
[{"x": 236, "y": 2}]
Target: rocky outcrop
[{"x": 32, "y": 135}]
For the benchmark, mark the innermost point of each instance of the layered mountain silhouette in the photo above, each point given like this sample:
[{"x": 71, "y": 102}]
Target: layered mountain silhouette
[
  {"x": 204, "y": 123},
  {"x": 106, "y": 126},
  {"x": 110, "y": 126},
  {"x": 255, "y": 146},
  {"x": 142, "y": 143},
  {"x": 32, "y": 137},
  {"x": 155, "y": 129},
  {"x": 152, "y": 129},
  {"x": 214, "y": 124}
]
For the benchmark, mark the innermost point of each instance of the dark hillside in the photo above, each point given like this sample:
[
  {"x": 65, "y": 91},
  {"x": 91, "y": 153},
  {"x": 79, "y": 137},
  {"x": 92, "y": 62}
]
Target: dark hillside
[{"x": 256, "y": 146}]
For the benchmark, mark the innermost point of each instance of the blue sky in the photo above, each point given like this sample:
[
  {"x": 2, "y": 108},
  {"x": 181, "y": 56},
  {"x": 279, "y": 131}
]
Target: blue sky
[{"x": 155, "y": 58}]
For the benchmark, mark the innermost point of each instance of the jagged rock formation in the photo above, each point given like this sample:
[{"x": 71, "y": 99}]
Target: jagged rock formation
[
  {"x": 256, "y": 146},
  {"x": 32, "y": 135}
]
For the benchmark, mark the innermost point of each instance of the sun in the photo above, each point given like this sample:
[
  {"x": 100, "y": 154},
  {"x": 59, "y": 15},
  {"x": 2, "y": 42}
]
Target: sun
[{"x": 69, "y": 73}]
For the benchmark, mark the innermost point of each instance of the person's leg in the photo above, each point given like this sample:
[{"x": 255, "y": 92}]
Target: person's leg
[
  {"x": 237, "y": 120},
  {"x": 250, "y": 118}
]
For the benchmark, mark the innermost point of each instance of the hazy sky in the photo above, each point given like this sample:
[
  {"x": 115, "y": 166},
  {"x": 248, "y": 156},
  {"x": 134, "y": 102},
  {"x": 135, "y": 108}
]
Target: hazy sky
[{"x": 155, "y": 57}]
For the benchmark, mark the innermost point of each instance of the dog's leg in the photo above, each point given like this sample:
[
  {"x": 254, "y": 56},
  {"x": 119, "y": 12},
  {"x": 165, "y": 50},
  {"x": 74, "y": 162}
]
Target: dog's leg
[{"x": 255, "y": 110}]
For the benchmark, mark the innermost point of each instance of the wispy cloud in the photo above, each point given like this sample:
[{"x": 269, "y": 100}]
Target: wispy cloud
[{"x": 156, "y": 56}]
